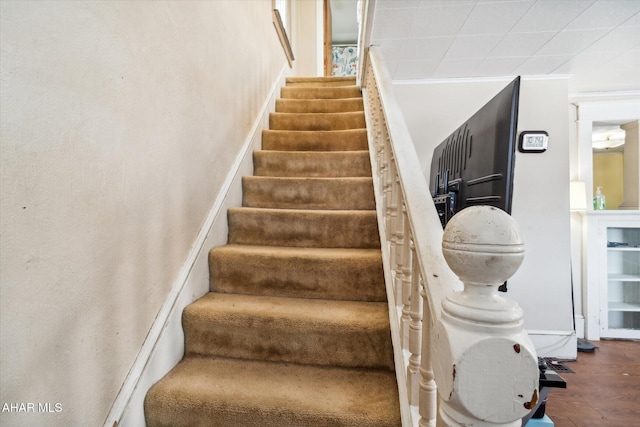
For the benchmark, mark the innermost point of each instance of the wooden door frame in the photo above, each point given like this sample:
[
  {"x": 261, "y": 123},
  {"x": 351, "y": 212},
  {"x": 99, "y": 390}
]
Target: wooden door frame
[{"x": 328, "y": 53}]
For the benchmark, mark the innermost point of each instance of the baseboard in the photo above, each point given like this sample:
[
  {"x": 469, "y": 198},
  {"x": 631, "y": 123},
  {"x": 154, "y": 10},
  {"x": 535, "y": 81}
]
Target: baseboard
[
  {"x": 558, "y": 344},
  {"x": 164, "y": 346}
]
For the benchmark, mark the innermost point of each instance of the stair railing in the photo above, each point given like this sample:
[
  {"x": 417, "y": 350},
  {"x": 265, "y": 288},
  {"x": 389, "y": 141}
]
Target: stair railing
[{"x": 462, "y": 356}]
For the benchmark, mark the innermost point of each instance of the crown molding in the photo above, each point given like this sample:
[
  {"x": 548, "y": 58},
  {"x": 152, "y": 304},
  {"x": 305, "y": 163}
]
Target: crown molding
[
  {"x": 491, "y": 79},
  {"x": 601, "y": 96}
]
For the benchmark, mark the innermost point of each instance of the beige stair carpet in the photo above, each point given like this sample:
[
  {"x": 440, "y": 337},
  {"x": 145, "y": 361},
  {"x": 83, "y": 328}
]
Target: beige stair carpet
[{"x": 295, "y": 330}]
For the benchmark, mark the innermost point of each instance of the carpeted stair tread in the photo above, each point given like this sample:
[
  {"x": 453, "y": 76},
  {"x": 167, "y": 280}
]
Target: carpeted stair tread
[
  {"x": 320, "y": 81},
  {"x": 295, "y": 329},
  {"x": 317, "y": 121},
  {"x": 320, "y": 92},
  {"x": 327, "y": 164},
  {"x": 325, "y": 273},
  {"x": 308, "y": 193},
  {"x": 334, "y": 140},
  {"x": 319, "y": 105},
  {"x": 304, "y": 228},
  {"x": 228, "y": 392},
  {"x": 298, "y": 330}
]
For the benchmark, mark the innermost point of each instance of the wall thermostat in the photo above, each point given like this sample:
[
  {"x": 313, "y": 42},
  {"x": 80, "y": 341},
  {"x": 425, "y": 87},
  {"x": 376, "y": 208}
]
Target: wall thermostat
[{"x": 533, "y": 141}]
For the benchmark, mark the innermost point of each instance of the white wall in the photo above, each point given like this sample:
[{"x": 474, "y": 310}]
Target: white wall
[
  {"x": 542, "y": 286},
  {"x": 119, "y": 124},
  {"x": 307, "y": 37}
]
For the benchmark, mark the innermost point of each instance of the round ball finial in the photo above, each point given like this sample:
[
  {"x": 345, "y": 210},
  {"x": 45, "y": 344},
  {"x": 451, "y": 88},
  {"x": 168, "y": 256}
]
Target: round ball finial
[{"x": 483, "y": 244}]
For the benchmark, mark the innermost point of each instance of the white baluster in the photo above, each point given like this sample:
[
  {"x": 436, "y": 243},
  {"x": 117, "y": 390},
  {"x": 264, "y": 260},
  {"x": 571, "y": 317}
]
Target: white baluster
[
  {"x": 405, "y": 277},
  {"x": 415, "y": 329},
  {"x": 394, "y": 219},
  {"x": 388, "y": 188},
  {"x": 377, "y": 110},
  {"x": 397, "y": 236},
  {"x": 484, "y": 362},
  {"x": 428, "y": 393}
]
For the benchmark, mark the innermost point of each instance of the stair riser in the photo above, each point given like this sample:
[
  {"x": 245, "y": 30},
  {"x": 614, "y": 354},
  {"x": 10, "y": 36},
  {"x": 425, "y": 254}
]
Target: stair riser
[
  {"x": 320, "y": 121},
  {"x": 320, "y": 81},
  {"x": 310, "y": 164},
  {"x": 308, "y": 229},
  {"x": 320, "y": 92},
  {"x": 320, "y": 84},
  {"x": 348, "y": 140},
  {"x": 308, "y": 193},
  {"x": 319, "y": 106},
  {"x": 265, "y": 341},
  {"x": 257, "y": 337},
  {"x": 355, "y": 278}
]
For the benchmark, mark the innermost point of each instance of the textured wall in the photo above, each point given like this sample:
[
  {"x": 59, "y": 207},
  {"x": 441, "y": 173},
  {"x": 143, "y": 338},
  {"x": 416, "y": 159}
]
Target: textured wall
[{"x": 119, "y": 123}]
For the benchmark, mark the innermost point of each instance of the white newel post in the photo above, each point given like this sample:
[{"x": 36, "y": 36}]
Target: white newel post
[{"x": 484, "y": 363}]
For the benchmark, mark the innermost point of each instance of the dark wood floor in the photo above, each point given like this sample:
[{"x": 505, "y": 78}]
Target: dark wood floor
[{"x": 603, "y": 391}]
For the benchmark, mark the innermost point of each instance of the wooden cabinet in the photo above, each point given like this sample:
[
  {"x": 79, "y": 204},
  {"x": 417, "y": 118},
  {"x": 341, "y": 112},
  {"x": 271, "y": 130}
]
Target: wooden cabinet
[{"x": 613, "y": 274}]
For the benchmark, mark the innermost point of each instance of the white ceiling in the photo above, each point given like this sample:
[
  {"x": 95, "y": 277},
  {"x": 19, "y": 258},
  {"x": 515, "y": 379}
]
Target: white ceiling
[{"x": 595, "y": 42}]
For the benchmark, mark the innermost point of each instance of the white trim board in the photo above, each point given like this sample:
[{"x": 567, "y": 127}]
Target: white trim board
[
  {"x": 163, "y": 347},
  {"x": 456, "y": 80},
  {"x": 604, "y": 96}
]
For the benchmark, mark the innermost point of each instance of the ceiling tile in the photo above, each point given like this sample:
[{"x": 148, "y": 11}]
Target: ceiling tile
[
  {"x": 617, "y": 40},
  {"x": 431, "y": 3},
  {"x": 442, "y": 20},
  {"x": 426, "y": 49},
  {"x": 472, "y": 46},
  {"x": 392, "y": 48},
  {"x": 391, "y": 67},
  {"x": 396, "y": 4},
  {"x": 499, "y": 66},
  {"x": 457, "y": 68},
  {"x": 537, "y": 65},
  {"x": 597, "y": 41},
  {"x": 521, "y": 44},
  {"x": 392, "y": 23},
  {"x": 634, "y": 21},
  {"x": 571, "y": 42},
  {"x": 550, "y": 15},
  {"x": 407, "y": 70},
  {"x": 629, "y": 60},
  {"x": 605, "y": 14},
  {"x": 494, "y": 18},
  {"x": 619, "y": 74},
  {"x": 583, "y": 62}
]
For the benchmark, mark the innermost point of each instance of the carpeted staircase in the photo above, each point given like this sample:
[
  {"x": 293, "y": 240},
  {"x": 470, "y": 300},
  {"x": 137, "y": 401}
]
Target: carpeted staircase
[{"x": 295, "y": 330}]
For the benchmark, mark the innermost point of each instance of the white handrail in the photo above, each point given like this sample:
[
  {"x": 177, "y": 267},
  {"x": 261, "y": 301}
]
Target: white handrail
[
  {"x": 392, "y": 149},
  {"x": 420, "y": 208},
  {"x": 444, "y": 332}
]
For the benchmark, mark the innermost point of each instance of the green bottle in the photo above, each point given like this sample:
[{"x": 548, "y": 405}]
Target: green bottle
[{"x": 599, "y": 203}]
